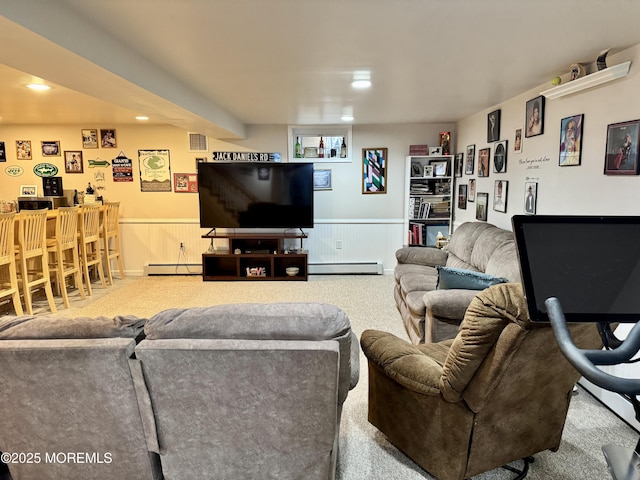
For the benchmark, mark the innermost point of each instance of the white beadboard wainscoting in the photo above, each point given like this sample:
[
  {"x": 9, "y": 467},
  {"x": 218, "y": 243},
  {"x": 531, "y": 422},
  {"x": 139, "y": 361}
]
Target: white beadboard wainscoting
[{"x": 334, "y": 245}]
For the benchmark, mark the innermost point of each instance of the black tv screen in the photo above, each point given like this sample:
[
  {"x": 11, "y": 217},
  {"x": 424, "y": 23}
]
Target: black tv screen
[
  {"x": 590, "y": 263},
  {"x": 255, "y": 195}
]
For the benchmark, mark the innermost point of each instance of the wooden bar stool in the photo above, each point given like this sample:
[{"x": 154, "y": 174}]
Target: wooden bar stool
[
  {"x": 33, "y": 267},
  {"x": 90, "y": 255},
  {"x": 110, "y": 234},
  {"x": 8, "y": 277},
  {"x": 64, "y": 260}
]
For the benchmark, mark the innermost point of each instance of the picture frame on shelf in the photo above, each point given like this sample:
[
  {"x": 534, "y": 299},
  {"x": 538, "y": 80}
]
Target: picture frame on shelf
[
  {"x": 322, "y": 179},
  {"x": 493, "y": 126},
  {"x": 23, "y": 150},
  {"x": 416, "y": 169},
  {"x": 73, "y": 161},
  {"x": 470, "y": 159},
  {"x": 472, "y": 190},
  {"x": 534, "y": 117},
  {"x": 621, "y": 157},
  {"x": 482, "y": 200},
  {"x": 462, "y": 197},
  {"x": 374, "y": 170},
  {"x": 530, "y": 197},
  {"x": 89, "y": 138},
  {"x": 50, "y": 148},
  {"x": 458, "y": 160},
  {"x": 440, "y": 168},
  {"x": 500, "y": 157},
  {"x": 571, "y": 141},
  {"x": 428, "y": 171},
  {"x": 500, "y": 195},
  {"x": 435, "y": 150},
  {"x": 108, "y": 138},
  {"x": 517, "y": 141},
  {"x": 483, "y": 162},
  {"x": 28, "y": 190}
]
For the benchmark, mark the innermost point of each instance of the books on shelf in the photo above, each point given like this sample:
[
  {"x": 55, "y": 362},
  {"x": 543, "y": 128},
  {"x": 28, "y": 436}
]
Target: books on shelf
[{"x": 419, "y": 208}]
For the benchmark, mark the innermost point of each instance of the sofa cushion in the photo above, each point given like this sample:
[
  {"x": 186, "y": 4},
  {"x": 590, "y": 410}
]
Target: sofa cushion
[
  {"x": 486, "y": 244},
  {"x": 456, "y": 278},
  {"x": 412, "y": 282},
  {"x": 463, "y": 240},
  {"x": 42, "y": 327},
  {"x": 504, "y": 262},
  {"x": 404, "y": 268}
]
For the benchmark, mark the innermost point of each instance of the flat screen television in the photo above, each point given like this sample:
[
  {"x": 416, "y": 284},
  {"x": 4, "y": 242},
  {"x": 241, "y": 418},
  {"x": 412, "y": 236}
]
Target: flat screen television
[
  {"x": 591, "y": 264},
  {"x": 255, "y": 195}
]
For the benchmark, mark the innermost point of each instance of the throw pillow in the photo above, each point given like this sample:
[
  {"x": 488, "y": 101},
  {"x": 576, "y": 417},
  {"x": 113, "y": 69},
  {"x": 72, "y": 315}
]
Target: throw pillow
[{"x": 450, "y": 278}]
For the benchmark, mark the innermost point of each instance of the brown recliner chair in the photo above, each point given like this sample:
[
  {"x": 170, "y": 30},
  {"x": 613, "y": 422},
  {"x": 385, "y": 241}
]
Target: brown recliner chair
[{"x": 496, "y": 393}]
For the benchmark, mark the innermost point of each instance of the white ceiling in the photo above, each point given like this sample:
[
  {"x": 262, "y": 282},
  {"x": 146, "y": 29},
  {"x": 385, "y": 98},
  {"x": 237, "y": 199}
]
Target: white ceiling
[{"x": 214, "y": 66}]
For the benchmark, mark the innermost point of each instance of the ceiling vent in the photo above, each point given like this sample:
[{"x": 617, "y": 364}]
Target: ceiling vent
[{"x": 197, "y": 142}]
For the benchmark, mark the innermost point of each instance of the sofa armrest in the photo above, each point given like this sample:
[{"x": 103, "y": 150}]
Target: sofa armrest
[
  {"x": 354, "y": 361},
  {"x": 451, "y": 304},
  {"x": 429, "y": 256}
]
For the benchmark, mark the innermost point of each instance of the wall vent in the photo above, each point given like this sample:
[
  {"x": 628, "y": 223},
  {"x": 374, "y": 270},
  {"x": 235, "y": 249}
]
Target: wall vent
[{"x": 197, "y": 142}]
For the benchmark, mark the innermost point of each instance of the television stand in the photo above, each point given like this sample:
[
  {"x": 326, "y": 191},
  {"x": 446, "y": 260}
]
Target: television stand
[{"x": 254, "y": 257}]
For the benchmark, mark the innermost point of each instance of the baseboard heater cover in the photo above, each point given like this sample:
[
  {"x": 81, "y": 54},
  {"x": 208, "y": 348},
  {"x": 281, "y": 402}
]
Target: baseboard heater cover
[
  {"x": 370, "y": 268},
  {"x": 173, "y": 269}
]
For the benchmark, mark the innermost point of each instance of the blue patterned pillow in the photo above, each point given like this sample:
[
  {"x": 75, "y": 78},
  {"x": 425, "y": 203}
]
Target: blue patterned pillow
[{"x": 449, "y": 278}]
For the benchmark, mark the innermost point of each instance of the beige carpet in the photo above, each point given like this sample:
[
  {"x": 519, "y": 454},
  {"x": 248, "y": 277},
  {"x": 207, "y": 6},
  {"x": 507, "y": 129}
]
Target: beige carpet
[{"x": 368, "y": 300}]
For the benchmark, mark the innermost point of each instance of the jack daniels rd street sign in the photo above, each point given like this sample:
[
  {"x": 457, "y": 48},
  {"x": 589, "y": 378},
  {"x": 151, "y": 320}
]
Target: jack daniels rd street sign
[{"x": 246, "y": 157}]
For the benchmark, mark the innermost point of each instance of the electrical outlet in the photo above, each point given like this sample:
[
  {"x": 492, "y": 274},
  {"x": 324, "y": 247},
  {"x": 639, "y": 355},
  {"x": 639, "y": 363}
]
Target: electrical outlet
[{"x": 338, "y": 244}]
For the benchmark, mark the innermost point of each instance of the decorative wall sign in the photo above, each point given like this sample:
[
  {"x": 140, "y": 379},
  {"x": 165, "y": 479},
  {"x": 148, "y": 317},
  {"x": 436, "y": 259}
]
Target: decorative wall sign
[
  {"x": 621, "y": 156},
  {"x": 98, "y": 163},
  {"x": 14, "y": 170},
  {"x": 23, "y": 149},
  {"x": 246, "y": 157},
  {"x": 155, "y": 170},
  {"x": 374, "y": 170},
  {"x": 571, "y": 140},
  {"x": 45, "y": 170},
  {"x": 185, "y": 182},
  {"x": 122, "y": 168}
]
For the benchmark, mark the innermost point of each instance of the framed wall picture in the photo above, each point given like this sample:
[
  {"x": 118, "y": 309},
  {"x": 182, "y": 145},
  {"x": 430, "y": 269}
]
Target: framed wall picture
[
  {"x": 462, "y": 197},
  {"x": 621, "y": 157},
  {"x": 457, "y": 160},
  {"x": 500, "y": 157},
  {"x": 28, "y": 190},
  {"x": 571, "y": 140},
  {"x": 517, "y": 142},
  {"x": 493, "y": 126},
  {"x": 470, "y": 159},
  {"x": 73, "y": 161},
  {"x": 500, "y": 190},
  {"x": 50, "y": 148},
  {"x": 3, "y": 152},
  {"x": 374, "y": 170},
  {"x": 472, "y": 190},
  {"x": 428, "y": 171},
  {"x": 108, "y": 138},
  {"x": 322, "y": 179},
  {"x": 481, "y": 206},
  {"x": 23, "y": 149},
  {"x": 530, "y": 197},
  {"x": 534, "y": 118},
  {"x": 89, "y": 138},
  {"x": 185, "y": 182},
  {"x": 483, "y": 162},
  {"x": 440, "y": 168}
]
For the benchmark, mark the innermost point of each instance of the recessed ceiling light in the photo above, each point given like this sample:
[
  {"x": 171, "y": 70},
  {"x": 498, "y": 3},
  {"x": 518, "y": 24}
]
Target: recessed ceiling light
[
  {"x": 347, "y": 118},
  {"x": 361, "y": 84},
  {"x": 38, "y": 86},
  {"x": 142, "y": 117}
]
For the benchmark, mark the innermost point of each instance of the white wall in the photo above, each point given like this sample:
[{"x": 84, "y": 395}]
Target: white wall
[{"x": 580, "y": 189}]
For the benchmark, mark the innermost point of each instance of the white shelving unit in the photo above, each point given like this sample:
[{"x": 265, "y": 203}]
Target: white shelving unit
[
  {"x": 428, "y": 208},
  {"x": 309, "y": 136}
]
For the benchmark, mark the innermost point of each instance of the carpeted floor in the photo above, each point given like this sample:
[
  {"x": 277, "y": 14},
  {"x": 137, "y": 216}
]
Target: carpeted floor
[{"x": 368, "y": 300}]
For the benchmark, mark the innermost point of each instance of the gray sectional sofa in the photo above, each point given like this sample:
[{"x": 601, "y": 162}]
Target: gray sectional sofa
[
  {"x": 247, "y": 391},
  {"x": 431, "y": 314}
]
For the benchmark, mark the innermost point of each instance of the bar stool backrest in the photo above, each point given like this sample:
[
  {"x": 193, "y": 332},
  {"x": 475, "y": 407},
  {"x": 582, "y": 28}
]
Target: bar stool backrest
[
  {"x": 111, "y": 218},
  {"x": 90, "y": 225},
  {"x": 32, "y": 233},
  {"x": 67, "y": 227},
  {"x": 7, "y": 221}
]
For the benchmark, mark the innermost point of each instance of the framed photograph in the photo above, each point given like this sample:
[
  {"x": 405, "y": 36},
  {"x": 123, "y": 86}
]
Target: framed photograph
[
  {"x": 185, "y": 182},
  {"x": 517, "y": 142},
  {"x": 428, "y": 171},
  {"x": 23, "y": 149},
  {"x": 50, "y": 148},
  {"x": 500, "y": 190},
  {"x": 621, "y": 156},
  {"x": 89, "y": 138},
  {"x": 416, "y": 169},
  {"x": 435, "y": 151},
  {"x": 483, "y": 162},
  {"x": 3, "y": 152},
  {"x": 481, "y": 206},
  {"x": 534, "y": 118},
  {"x": 374, "y": 170},
  {"x": 493, "y": 126},
  {"x": 571, "y": 140},
  {"x": 470, "y": 160},
  {"x": 108, "y": 138},
  {"x": 530, "y": 197},
  {"x": 28, "y": 190},
  {"x": 457, "y": 160},
  {"x": 200, "y": 160},
  {"x": 440, "y": 168},
  {"x": 322, "y": 179},
  {"x": 500, "y": 157},
  {"x": 73, "y": 161},
  {"x": 462, "y": 197},
  {"x": 472, "y": 190}
]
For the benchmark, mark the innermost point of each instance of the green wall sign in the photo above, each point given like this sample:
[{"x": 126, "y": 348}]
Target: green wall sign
[{"x": 45, "y": 170}]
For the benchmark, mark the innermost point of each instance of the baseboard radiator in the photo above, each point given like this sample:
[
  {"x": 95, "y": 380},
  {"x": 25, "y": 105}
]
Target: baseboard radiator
[
  {"x": 362, "y": 268},
  {"x": 173, "y": 269}
]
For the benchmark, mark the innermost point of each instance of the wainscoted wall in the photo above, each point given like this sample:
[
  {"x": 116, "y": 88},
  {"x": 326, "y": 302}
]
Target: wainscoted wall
[{"x": 156, "y": 241}]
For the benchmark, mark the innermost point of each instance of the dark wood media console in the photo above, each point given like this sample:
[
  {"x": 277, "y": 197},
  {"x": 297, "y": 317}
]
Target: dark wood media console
[{"x": 261, "y": 257}]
